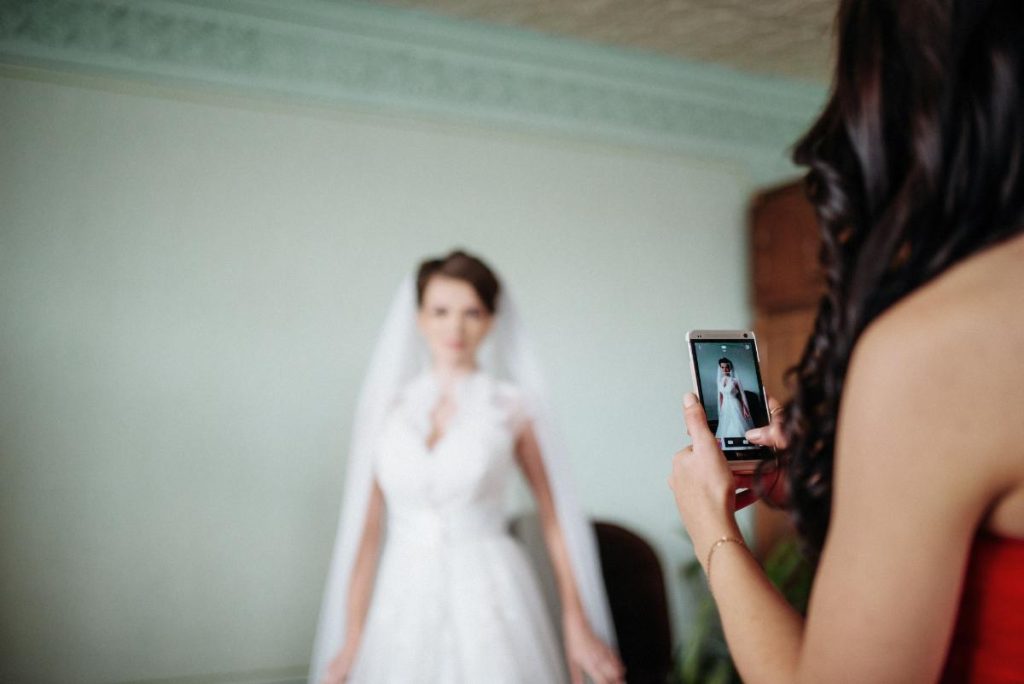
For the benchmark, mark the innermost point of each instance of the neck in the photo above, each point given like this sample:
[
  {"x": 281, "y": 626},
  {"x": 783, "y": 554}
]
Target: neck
[{"x": 447, "y": 374}]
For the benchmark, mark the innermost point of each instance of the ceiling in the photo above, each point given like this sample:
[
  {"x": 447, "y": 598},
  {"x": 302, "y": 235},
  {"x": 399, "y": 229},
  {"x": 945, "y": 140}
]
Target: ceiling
[{"x": 780, "y": 37}]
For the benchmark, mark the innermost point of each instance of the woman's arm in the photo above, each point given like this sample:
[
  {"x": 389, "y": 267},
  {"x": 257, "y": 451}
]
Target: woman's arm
[
  {"x": 763, "y": 631},
  {"x": 910, "y": 486},
  {"x": 585, "y": 652},
  {"x": 360, "y": 588}
]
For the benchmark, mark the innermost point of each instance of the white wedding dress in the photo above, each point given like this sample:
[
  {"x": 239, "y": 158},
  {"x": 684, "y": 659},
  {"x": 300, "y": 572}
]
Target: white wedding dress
[
  {"x": 455, "y": 598},
  {"x": 731, "y": 421}
]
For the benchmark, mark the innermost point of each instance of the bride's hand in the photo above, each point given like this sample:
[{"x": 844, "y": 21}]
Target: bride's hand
[
  {"x": 339, "y": 668},
  {"x": 586, "y": 653}
]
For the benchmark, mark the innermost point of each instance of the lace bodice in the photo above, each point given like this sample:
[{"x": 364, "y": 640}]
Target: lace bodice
[{"x": 455, "y": 490}]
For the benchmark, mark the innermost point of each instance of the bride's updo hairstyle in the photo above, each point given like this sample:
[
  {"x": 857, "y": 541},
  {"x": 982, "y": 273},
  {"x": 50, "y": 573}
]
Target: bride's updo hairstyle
[
  {"x": 916, "y": 163},
  {"x": 465, "y": 267}
]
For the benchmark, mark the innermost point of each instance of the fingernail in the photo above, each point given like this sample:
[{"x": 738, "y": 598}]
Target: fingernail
[
  {"x": 689, "y": 399},
  {"x": 753, "y": 434}
]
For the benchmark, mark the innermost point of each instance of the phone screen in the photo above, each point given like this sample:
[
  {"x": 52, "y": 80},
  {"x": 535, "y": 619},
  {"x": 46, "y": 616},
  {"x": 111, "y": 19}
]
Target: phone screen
[{"x": 729, "y": 385}]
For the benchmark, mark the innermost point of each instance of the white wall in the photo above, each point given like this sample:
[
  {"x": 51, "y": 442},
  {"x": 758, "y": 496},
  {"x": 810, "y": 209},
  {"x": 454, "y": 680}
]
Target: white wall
[{"x": 189, "y": 291}]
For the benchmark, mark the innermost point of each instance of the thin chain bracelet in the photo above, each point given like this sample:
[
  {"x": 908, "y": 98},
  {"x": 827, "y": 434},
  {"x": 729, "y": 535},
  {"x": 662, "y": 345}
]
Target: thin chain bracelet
[{"x": 714, "y": 547}]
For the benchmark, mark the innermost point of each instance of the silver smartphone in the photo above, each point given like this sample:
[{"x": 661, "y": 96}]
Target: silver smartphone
[{"x": 727, "y": 378}]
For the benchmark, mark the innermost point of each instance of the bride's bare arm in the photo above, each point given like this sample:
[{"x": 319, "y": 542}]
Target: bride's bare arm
[
  {"x": 360, "y": 588},
  {"x": 743, "y": 399},
  {"x": 365, "y": 568},
  {"x": 584, "y": 650}
]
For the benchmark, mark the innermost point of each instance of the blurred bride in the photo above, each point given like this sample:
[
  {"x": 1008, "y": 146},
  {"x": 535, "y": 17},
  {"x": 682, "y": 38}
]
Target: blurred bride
[{"x": 446, "y": 594}]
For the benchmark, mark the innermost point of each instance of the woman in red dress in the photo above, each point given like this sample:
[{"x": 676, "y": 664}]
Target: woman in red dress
[{"x": 903, "y": 445}]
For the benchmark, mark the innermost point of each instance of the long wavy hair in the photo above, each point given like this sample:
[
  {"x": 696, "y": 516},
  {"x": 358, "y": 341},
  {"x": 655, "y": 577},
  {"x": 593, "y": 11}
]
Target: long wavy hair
[{"x": 914, "y": 164}]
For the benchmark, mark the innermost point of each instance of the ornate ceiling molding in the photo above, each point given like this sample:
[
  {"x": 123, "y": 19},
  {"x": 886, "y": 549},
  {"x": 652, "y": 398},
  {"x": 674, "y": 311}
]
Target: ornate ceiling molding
[{"x": 353, "y": 53}]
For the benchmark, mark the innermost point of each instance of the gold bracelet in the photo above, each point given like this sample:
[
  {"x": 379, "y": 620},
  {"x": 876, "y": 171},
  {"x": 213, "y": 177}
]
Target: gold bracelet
[{"x": 714, "y": 547}]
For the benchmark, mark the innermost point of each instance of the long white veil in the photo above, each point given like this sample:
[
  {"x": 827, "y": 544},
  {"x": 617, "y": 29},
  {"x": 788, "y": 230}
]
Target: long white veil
[{"x": 398, "y": 358}]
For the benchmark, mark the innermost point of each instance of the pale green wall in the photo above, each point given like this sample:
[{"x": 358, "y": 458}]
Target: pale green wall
[
  {"x": 189, "y": 291},
  {"x": 205, "y": 206}
]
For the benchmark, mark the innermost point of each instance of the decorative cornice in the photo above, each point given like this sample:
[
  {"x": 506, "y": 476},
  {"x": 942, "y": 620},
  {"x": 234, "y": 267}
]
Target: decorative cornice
[{"x": 343, "y": 52}]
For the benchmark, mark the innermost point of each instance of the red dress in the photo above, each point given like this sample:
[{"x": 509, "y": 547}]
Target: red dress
[{"x": 988, "y": 641}]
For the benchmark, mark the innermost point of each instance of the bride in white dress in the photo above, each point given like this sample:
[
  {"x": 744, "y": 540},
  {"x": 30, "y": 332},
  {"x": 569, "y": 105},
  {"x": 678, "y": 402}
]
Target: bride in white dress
[
  {"x": 426, "y": 583},
  {"x": 733, "y": 410}
]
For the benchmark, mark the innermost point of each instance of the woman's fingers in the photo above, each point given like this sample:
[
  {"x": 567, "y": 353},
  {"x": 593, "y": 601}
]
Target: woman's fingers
[
  {"x": 758, "y": 436},
  {"x": 767, "y": 482},
  {"x": 696, "y": 420},
  {"x": 772, "y": 434},
  {"x": 776, "y": 418},
  {"x": 702, "y": 482}
]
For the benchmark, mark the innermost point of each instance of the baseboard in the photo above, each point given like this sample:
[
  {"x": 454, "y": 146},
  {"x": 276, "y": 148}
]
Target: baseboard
[{"x": 279, "y": 675}]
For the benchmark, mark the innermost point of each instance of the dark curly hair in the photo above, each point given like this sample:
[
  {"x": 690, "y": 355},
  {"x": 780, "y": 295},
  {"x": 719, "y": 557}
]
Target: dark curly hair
[{"x": 914, "y": 164}]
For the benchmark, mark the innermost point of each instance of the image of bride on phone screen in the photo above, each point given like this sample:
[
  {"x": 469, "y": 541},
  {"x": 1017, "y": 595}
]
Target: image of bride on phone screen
[{"x": 734, "y": 418}]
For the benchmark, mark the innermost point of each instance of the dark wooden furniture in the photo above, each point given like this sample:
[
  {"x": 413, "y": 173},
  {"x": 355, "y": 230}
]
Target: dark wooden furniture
[
  {"x": 787, "y": 285},
  {"x": 636, "y": 594}
]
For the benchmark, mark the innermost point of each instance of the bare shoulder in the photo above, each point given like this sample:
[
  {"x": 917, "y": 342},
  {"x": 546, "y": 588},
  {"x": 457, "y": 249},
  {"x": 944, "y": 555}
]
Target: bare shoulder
[
  {"x": 983, "y": 292},
  {"x": 949, "y": 358},
  {"x": 930, "y": 401}
]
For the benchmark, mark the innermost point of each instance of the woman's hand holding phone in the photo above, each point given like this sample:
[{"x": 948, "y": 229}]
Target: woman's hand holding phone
[
  {"x": 707, "y": 492},
  {"x": 703, "y": 484}
]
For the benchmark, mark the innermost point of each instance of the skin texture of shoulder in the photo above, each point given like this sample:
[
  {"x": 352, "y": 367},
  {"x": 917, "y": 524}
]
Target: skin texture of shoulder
[
  {"x": 928, "y": 446},
  {"x": 956, "y": 347}
]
